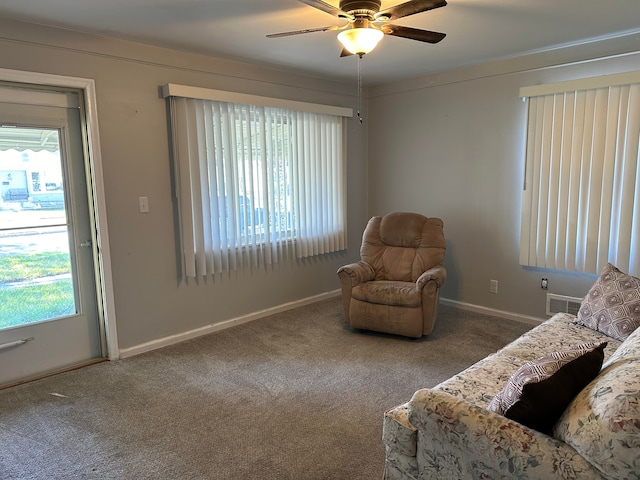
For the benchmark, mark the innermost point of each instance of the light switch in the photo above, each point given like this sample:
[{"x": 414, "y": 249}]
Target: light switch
[{"x": 144, "y": 204}]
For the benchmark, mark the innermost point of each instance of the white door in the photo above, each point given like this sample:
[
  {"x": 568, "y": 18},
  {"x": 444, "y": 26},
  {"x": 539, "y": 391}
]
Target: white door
[{"x": 49, "y": 318}]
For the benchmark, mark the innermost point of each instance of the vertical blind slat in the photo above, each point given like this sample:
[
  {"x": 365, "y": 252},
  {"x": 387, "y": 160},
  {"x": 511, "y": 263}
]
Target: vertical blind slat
[{"x": 255, "y": 184}]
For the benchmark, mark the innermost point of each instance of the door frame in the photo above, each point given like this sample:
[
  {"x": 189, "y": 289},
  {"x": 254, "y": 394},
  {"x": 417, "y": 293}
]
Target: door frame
[{"x": 106, "y": 303}]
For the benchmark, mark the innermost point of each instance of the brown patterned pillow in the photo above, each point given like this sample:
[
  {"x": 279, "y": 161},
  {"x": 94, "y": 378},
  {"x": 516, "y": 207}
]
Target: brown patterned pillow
[
  {"x": 540, "y": 390},
  {"x": 612, "y": 305}
]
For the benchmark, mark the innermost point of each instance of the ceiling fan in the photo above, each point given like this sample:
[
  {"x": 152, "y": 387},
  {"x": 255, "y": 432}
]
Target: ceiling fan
[{"x": 366, "y": 24}]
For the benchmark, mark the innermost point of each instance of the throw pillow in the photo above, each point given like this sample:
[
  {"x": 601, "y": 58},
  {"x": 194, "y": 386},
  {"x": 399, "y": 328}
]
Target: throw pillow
[
  {"x": 612, "y": 305},
  {"x": 602, "y": 422},
  {"x": 538, "y": 393}
]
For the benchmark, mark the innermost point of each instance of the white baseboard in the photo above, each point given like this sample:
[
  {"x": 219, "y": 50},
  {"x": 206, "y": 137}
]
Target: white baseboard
[
  {"x": 215, "y": 327},
  {"x": 490, "y": 311}
]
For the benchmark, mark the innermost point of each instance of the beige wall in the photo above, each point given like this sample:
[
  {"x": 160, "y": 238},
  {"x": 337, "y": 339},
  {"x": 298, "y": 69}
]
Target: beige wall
[
  {"x": 150, "y": 302},
  {"x": 452, "y": 145},
  {"x": 448, "y": 145}
]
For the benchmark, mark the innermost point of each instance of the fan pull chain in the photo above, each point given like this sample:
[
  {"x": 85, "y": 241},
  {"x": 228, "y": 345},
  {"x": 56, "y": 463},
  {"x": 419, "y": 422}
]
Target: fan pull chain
[{"x": 359, "y": 88}]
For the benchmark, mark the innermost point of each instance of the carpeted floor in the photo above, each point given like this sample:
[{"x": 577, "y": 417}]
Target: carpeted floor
[{"x": 298, "y": 395}]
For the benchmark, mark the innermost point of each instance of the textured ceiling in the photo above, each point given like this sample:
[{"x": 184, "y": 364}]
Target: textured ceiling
[{"x": 477, "y": 30}]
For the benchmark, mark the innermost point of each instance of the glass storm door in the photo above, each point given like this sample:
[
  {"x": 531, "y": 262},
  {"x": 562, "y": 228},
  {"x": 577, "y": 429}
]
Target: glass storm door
[{"x": 48, "y": 288}]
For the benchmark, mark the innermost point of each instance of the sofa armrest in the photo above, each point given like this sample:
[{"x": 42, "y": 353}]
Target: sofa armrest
[
  {"x": 399, "y": 438},
  {"x": 460, "y": 440},
  {"x": 438, "y": 274}
]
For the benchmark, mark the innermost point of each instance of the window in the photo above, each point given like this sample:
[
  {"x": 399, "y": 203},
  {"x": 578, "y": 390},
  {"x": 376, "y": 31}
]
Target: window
[
  {"x": 255, "y": 183},
  {"x": 581, "y": 201}
]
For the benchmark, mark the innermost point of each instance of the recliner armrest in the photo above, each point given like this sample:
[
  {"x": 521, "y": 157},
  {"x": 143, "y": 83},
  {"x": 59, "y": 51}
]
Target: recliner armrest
[
  {"x": 357, "y": 273},
  {"x": 351, "y": 275},
  {"x": 437, "y": 274}
]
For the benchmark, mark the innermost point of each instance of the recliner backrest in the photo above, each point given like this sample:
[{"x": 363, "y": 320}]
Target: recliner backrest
[{"x": 401, "y": 246}]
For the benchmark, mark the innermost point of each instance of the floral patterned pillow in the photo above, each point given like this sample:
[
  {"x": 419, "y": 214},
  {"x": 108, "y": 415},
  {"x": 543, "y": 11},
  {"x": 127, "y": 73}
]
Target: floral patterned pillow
[
  {"x": 538, "y": 393},
  {"x": 603, "y": 422},
  {"x": 612, "y": 305}
]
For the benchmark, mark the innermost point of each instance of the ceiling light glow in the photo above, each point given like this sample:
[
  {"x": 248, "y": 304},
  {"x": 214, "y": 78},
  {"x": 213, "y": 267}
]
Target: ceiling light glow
[{"x": 360, "y": 41}]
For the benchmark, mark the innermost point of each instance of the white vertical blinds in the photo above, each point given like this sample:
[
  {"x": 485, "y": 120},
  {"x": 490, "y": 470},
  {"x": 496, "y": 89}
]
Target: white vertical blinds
[
  {"x": 256, "y": 184},
  {"x": 581, "y": 202}
]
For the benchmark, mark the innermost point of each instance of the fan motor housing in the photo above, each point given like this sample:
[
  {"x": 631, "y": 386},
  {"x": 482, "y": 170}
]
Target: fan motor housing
[{"x": 351, "y": 5}]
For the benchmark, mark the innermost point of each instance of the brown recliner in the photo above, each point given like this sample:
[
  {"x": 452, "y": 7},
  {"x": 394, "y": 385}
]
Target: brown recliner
[{"x": 395, "y": 286}]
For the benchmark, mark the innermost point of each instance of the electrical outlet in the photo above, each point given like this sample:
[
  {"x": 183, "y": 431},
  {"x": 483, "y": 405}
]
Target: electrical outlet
[
  {"x": 493, "y": 286},
  {"x": 544, "y": 283}
]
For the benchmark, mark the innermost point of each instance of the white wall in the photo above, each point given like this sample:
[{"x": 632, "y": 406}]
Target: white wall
[
  {"x": 451, "y": 145},
  {"x": 150, "y": 302}
]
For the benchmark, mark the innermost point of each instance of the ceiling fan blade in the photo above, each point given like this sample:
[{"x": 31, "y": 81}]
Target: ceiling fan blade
[
  {"x": 408, "y": 8},
  {"x": 326, "y": 7},
  {"x": 413, "y": 33},
  {"x": 306, "y": 30}
]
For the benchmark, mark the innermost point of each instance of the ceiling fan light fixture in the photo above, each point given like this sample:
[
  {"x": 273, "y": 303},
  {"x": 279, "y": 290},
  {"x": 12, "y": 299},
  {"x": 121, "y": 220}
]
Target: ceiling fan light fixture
[{"x": 360, "y": 41}]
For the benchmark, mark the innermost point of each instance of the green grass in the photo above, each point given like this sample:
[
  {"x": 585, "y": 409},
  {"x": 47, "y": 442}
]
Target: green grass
[
  {"x": 27, "y": 266},
  {"x": 20, "y": 304},
  {"x": 34, "y": 303}
]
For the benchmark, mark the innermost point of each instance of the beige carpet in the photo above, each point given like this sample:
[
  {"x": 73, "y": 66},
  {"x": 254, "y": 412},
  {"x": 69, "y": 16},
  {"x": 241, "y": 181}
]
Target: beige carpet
[{"x": 297, "y": 395}]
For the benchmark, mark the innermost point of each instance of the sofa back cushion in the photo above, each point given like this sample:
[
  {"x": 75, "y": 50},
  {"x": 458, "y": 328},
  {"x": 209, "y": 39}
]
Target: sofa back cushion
[
  {"x": 630, "y": 348},
  {"x": 603, "y": 422}
]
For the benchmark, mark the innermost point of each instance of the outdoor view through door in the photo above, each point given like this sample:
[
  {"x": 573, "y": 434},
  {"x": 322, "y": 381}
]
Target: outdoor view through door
[
  {"x": 35, "y": 261},
  {"x": 49, "y": 304}
]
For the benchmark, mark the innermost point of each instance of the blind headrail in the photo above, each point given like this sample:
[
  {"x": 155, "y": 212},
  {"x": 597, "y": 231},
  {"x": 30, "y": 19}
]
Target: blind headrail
[
  {"x": 601, "y": 81},
  {"x": 184, "y": 91}
]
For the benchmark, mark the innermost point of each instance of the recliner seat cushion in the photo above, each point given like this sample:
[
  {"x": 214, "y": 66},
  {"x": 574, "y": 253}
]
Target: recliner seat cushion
[{"x": 387, "y": 292}]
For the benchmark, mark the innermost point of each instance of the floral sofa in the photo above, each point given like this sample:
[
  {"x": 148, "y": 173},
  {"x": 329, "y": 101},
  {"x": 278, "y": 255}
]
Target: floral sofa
[{"x": 448, "y": 432}]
